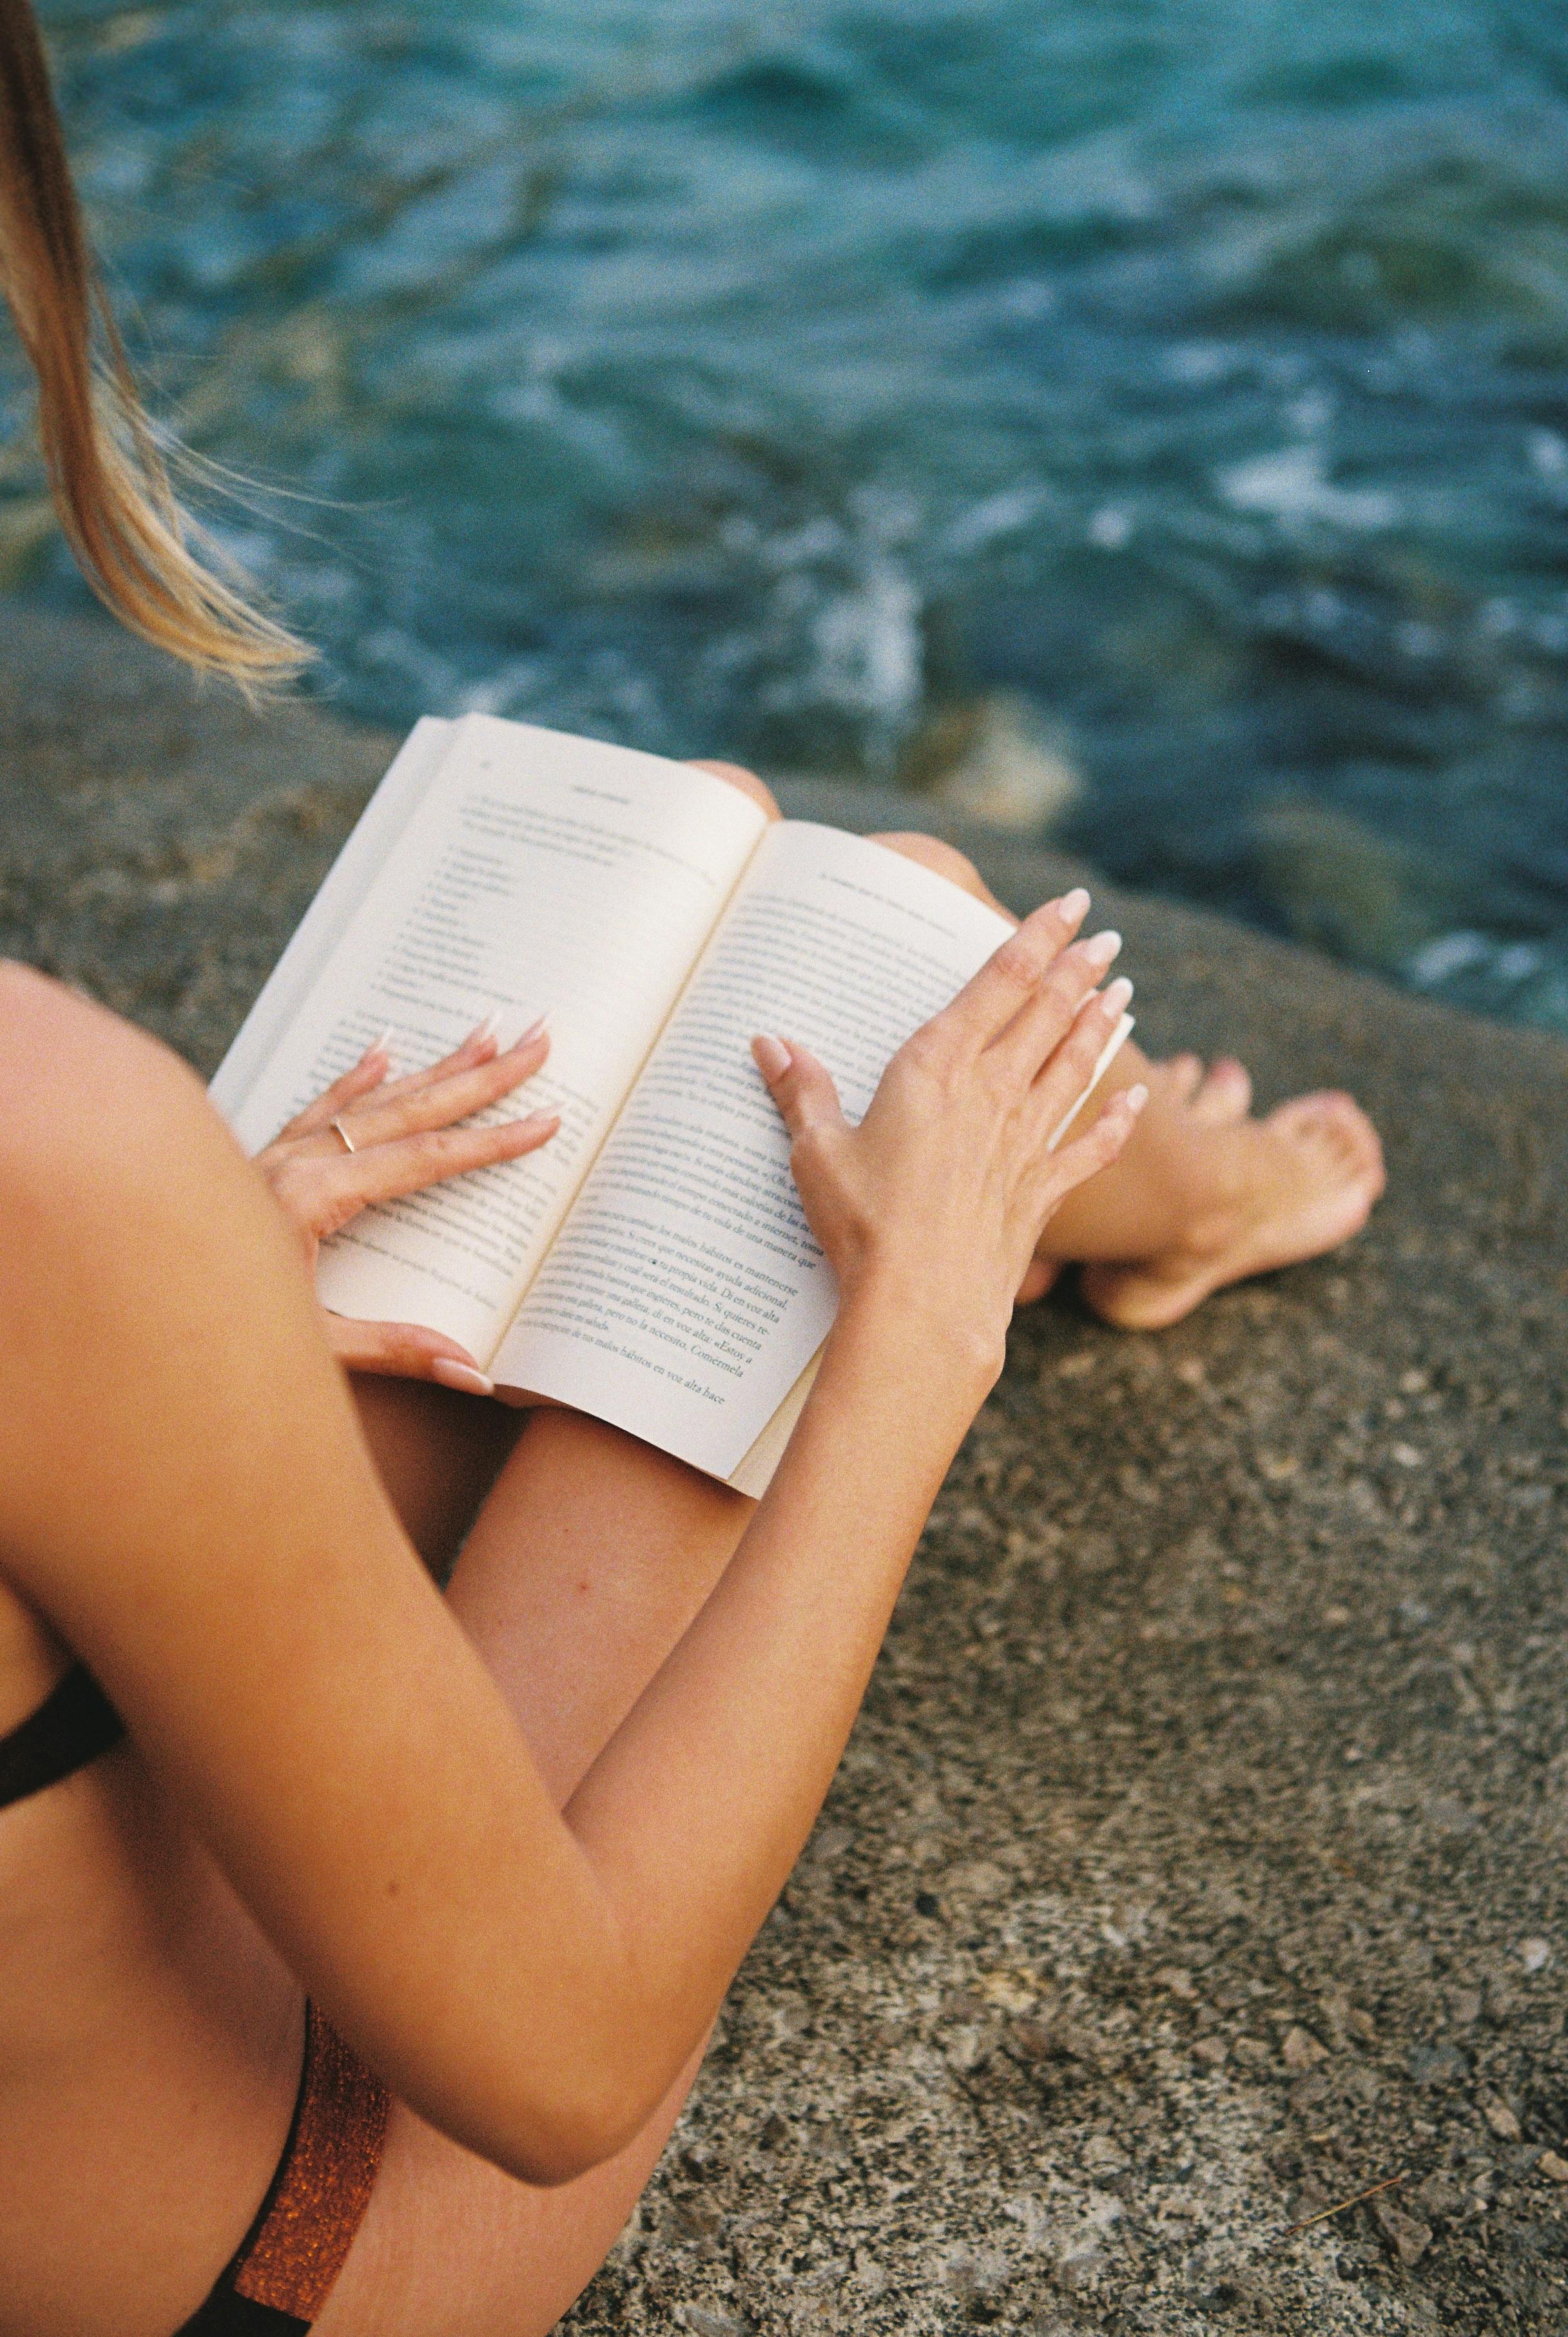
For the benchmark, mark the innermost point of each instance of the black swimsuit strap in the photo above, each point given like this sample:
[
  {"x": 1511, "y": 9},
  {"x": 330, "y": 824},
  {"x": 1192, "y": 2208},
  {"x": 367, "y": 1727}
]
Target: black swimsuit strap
[{"x": 73, "y": 1726}]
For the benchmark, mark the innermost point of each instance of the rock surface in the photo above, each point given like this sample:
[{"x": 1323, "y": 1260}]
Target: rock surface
[{"x": 1199, "y": 1859}]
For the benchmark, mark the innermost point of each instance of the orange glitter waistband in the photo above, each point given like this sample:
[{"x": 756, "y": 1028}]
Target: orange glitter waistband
[{"x": 296, "y": 2248}]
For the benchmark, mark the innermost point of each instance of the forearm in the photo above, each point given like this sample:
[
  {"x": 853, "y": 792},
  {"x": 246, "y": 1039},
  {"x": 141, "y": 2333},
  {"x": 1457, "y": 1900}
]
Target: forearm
[{"x": 693, "y": 1817}]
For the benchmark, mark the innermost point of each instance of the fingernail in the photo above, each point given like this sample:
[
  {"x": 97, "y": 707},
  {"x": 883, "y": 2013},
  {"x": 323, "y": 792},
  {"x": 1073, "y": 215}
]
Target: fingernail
[
  {"x": 1074, "y": 905},
  {"x": 1103, "y": 948},
  {"x": 1136, "y": 1098},
  {"x": 381, "y": 1046},
  {"x": 535, "y": 1031},
  {"x": 1116, "y": 994},
  {"x": 537, "y": 1121},
  {"x": 771, "y": 1056},
  {"x": 453, "y": 1375},
  {"x": 482, "y": 1031}
]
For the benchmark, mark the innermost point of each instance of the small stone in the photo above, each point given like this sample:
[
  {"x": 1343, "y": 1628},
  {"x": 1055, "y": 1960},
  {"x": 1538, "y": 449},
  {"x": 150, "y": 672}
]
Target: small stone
[
  {"x": 1437, "y": 2065},
  {"x": 1209, "y": 2050},
  {"x": 1554, "y": 2168},
  {"x": 1500, "y": 2119},
  {"x": 1408, "y": 2239},
  {"x": 775, "y": 2130},
  {"x": 1439, "y": 2195},
  {"x": 1177, "y": 1981},
  {"x": 1534, "y": 1954},
  {"x": 1102, "y": 2156},
  {"x": 1014, "y": 1990},
  {"x": 1335, "y": 1615},
  {"x": 1301, "y": 2050},
  {"x": 704, "y": 2321},
  {"x": 1361, "y": 2026},
  {"x": 696, "y": 2218},
  {"x": 1406, "y": 1456},
  {"x": 927, "y": 1904}
]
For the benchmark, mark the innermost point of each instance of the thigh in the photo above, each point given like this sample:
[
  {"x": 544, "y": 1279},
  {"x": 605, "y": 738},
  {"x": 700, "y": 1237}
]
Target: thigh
[
  {"x": 585, "y": 1566},
  {"x": 438, "y": 1454},
  {"x": 451, "y": 2247}
]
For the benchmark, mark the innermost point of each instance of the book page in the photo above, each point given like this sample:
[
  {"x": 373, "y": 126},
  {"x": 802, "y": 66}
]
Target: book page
[
  {"x": 685, "y": 1294},
  {"x": 346, "y": 884},
  {"x": 541, "y": 874}
]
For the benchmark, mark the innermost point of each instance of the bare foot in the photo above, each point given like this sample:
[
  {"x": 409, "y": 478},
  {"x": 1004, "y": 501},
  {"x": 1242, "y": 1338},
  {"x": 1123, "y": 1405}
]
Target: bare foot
[
  {"x": 1212, "y": 1099},
  {"x": 1301, "y": 1181}
]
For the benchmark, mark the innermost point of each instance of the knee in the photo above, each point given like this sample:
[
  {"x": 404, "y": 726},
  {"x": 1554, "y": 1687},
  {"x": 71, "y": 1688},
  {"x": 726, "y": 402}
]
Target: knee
[
  {"x": 746, "y": 781},
  {"x": 945, "y": 859}
]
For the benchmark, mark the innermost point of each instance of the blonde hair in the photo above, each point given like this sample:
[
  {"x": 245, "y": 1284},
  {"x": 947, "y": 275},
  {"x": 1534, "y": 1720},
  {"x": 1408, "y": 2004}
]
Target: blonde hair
[{"x": 109, "y": 483}]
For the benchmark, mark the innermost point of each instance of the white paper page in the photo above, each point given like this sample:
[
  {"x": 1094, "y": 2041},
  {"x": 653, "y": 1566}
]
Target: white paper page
[
  {"x": 541, "y": 873},
  {"x": 348, "y": 882},
  {"x": 686, "y": 1295}
]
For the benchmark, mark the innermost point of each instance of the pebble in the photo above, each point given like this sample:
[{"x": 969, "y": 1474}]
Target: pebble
[
  {"x": 1554, "y": 2168},
  {"x": 1534, "y": 1954},
  {"x": 1435, "y": 2064},
  {"x": 1409, "y": 2239},
  {"x": 1500, "y": 2119},
  {"x": 1301, "y": 2050}
]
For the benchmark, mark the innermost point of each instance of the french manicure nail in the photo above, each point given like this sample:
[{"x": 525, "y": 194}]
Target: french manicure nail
[
  {"x": 1115, "y": 996},
  {"x": 1104, "y": 948},
  {"x": 1137, "y": 1098},
  {"x": 381, "y": 1046},
  {"x": 453, "y": 1375},
  {"x": 485, "y": 1030},
  {"x": 1074, "y": 905},
  {"x": 771, "y": 1055},
  {"x": 535, "y": 1031}
]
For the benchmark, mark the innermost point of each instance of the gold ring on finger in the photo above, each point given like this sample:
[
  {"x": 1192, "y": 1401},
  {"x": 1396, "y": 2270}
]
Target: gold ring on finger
[{"x": 349, "y": 1143}]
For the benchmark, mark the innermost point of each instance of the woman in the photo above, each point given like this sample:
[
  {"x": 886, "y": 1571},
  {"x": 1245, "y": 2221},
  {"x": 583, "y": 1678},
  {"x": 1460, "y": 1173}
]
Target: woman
[{"x": 357, "y": 1944}]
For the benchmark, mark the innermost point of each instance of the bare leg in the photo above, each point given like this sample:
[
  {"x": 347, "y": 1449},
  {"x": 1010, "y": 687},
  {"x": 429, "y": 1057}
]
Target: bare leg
[
  {"x": 1203, "y": 1195},
  {"x": 589, "y": 1560}
]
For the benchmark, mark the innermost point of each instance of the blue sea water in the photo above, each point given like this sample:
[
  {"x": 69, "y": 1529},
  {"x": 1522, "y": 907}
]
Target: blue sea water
[{"x": 768, "y": 377}]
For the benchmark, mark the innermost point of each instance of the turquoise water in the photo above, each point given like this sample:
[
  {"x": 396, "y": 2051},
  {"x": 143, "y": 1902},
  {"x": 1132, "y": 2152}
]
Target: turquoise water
[{"x": 765, "y": 377}]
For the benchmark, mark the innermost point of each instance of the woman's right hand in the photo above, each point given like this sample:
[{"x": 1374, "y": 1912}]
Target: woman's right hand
[
  {"x": 372, "y": 1138},
  {"x": 936, "y": 1203}
]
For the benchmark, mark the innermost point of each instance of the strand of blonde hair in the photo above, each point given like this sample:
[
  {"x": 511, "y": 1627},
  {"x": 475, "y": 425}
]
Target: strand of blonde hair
[{"x": 140, "y": 551}]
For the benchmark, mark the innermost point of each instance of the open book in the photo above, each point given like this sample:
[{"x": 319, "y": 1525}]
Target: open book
[{"x": 651, "y": 1264}]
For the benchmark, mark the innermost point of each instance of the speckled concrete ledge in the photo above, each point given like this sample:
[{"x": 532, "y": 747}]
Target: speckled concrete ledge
[{"x": 1199, "y": 1859}]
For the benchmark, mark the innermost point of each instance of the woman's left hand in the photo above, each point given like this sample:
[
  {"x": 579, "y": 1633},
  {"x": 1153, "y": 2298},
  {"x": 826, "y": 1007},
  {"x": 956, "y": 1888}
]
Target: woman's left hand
[{"x": 403, "y": 1137}]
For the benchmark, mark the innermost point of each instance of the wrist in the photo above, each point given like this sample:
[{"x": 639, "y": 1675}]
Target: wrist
[{"x": 940, "y": 1354}]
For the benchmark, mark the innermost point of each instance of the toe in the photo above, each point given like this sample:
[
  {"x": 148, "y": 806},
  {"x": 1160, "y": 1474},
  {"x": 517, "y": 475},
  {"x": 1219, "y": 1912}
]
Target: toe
[
  {"x": 1182, "y": 1074},
  {"x": 1329, "y": 1114},
  {"x": 1226, "y": 1095}
]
